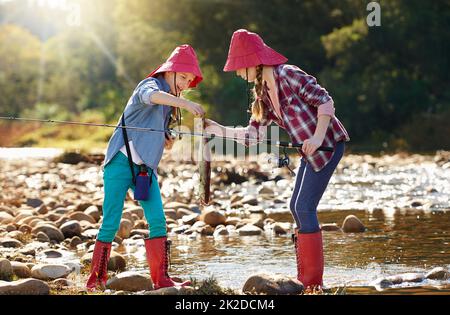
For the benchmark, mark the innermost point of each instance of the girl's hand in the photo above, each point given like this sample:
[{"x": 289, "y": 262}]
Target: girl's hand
[
  {"x": 169, "y": 141},
  {"x": 310, "y": 145},
  {"x": 195, "y": 109}
]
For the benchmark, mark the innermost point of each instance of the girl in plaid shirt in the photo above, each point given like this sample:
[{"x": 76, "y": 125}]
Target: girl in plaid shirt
[{"x": 291, "y": 98}]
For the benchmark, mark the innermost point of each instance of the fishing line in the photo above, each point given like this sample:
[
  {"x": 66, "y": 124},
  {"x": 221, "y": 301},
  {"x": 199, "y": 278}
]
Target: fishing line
[{"x": 281, "y": 144}]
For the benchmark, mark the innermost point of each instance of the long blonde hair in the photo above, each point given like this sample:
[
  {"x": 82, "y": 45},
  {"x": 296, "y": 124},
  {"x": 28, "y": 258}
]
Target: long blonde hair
[{"x": 259, "y": 110}]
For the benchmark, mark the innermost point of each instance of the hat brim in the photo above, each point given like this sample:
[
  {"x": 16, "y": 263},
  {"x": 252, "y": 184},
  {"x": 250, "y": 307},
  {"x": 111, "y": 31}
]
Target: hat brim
[
  {"x": 267, "y": 57},
  {"x": 178, "y": 67}
]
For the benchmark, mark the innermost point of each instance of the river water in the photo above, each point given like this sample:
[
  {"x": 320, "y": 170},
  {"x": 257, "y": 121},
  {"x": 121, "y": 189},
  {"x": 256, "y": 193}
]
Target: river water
[{"x": 404, "y": 204}]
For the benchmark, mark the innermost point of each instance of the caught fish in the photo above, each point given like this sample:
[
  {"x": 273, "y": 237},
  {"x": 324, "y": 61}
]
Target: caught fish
[{"x": 204, "y": 163}]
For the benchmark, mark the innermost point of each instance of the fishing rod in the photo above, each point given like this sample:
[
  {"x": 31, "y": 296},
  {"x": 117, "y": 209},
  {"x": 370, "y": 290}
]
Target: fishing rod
[{"x": 282, "y": 144}]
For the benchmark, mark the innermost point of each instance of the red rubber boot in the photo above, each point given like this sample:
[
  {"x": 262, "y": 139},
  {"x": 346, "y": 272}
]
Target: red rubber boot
[
  {"x": 99, "y": 266},
  {"x": 309, "y": 252},
  {"x": 157, "y": 250}
]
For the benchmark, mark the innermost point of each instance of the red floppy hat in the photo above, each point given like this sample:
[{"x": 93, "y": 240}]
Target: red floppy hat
[
  {"x": 247, "y": 49},
  {"x": 182, "y": 59}
]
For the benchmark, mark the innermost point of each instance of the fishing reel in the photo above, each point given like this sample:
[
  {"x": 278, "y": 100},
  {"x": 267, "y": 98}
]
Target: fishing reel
[{"x": 282, "y": 161}]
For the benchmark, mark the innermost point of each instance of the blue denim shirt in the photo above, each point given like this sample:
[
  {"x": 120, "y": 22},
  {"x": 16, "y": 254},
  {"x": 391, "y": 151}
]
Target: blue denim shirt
[{"x": 140, "y": 112}]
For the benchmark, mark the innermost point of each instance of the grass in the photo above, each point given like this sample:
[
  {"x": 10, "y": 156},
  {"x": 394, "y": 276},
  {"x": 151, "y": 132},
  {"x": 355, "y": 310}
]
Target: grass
[{"x": 67, "y": 137}]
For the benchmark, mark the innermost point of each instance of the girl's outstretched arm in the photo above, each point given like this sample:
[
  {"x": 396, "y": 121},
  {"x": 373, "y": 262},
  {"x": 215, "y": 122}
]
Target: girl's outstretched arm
[
  {"x": 250, "y": 135},
  {"x": 164, "y": 98}
]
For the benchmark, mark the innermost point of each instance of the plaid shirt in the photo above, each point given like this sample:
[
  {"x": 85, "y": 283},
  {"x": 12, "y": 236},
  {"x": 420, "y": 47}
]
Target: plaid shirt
[{"x": 299, "y": 96}]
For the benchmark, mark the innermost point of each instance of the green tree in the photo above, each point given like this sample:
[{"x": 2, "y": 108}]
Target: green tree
[{"x": 19, "y": 69}]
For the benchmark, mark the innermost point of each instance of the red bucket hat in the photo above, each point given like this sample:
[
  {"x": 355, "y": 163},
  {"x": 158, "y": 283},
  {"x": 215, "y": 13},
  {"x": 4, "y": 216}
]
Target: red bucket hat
[
  {"x": 247, "y": 49},
  {"x": 182, "y": 59}
]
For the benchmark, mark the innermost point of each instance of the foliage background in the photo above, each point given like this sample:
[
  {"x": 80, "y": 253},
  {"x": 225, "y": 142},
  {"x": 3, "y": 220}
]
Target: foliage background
[{"x": 390, "y": 83}]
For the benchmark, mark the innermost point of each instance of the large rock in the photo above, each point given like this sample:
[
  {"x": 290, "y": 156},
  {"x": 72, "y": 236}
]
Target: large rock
[
  {"x": 52, "y": 232},
  {"x": 10, "y": 242},
  {"x": 6, "y": 270},
  {"x": 20, "y": 269},
  {"x": 130, "y": 281},
  {"x": 32, "y": 202},
  {"x": 71, "y": 228},
  {"x": 353, "y": 225},
  {"x": 281, "y": 228},
  {"x": 272, "y": 285},
  {"x": 438, "y": 273},
  {"x": 6, "y": 210},
  {"x": 24, "y": 287},
  {"x": 5, "y": 218},
  {"x": 249, "y": 229},
  {"x": 213, "y": 217},
  {"x": 50, "y": 271},
  {"x": 93, "y": 212},
  {"x": 81, "y": 216},
  {"x": 190, "y": 218},
  {"x": 117, "y": 262},
  {"x": 42, "y": 237},
  {"x": 52, "y": 253},
  {"x": 139, "y": 211},
  {"x": 125, "y": 228}
]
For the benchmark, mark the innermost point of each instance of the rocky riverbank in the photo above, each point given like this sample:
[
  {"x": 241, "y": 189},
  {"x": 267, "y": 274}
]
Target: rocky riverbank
[{"x": 50, "y": 213}]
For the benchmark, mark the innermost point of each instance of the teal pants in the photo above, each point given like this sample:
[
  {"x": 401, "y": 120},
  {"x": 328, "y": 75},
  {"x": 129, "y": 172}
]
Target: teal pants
[{"x": 117, "y": 180}]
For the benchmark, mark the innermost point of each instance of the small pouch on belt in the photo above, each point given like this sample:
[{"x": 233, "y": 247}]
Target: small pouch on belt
[{"x": 143, "y": 183}]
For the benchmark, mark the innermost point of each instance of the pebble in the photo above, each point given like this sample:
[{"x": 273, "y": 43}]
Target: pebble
[
  {"x": 272, "y": 285},
  {"x": 130, "y": 281},
  {"x": 249, "y": 229},
  {"x": 20, "y": 269},
  {"x": 10, "y": 242},
  {"x": 213, "y": 217},
  {"x": 24, "y": 287},
  {"x": 6, "y": 270},
  {"x": 71, "y": 228},
  {"x": 352, "y": 224},
  {"x": 438, "y": 273},
  {"x": 52, "y": 232},
  {"x": 330, "y": 227},
  {"x": 50, "y": 271}
]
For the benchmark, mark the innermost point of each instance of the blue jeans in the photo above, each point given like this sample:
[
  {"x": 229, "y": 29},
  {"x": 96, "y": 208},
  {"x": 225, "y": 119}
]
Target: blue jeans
[
  {"x": 117, "y": 180},
  {"x": 308, "y": 190}
]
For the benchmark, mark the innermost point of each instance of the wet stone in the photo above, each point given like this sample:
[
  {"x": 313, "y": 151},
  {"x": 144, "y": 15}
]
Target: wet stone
[
  {"x": 438, "y": 273},
  {"x": 248, "y": 230},
  {"x": 6, "y": 270},
  {"x": 353, "y": 225},
  {"x": 130, "y": 281},
  {"x": 24, "y": 287},
  {"x": 272, "y": 285}
]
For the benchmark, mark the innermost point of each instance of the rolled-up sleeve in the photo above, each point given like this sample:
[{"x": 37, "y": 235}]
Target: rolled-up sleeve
[{"x": 146, "y": 91}]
